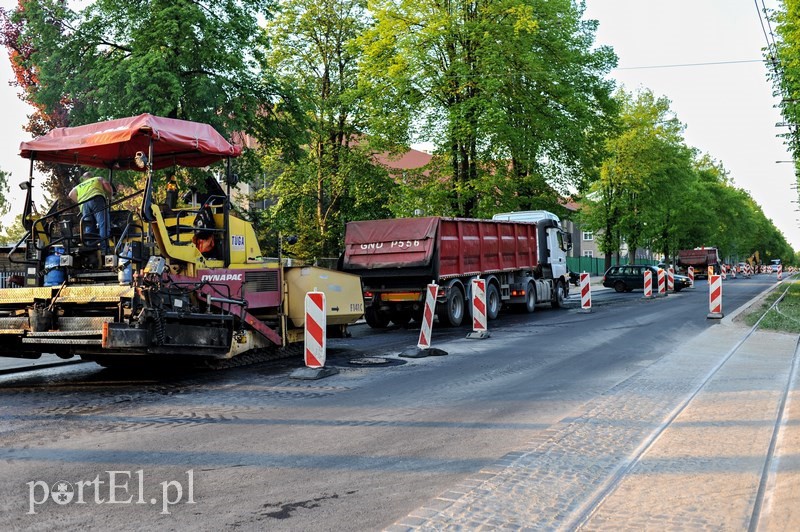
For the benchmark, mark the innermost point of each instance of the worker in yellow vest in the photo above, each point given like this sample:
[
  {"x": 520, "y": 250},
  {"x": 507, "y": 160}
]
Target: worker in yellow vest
[{"x": 93, "y": 194}]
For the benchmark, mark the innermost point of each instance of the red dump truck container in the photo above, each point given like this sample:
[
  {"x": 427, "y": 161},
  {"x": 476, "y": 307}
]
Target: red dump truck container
[
  {"x": 700, "y": 259},
  {"x": 397, "y": 258}
]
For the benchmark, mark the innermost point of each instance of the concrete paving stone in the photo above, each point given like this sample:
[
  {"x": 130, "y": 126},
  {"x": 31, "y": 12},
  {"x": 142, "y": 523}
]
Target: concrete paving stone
[
  {"x": 413, "y": 521},
  {"x": 400, "y": 528},
  {"x": 712, "y": 451},
  {"x": 452, "y": 495}
]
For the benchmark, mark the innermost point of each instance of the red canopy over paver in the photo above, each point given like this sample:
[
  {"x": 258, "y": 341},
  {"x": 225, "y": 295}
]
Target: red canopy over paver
[{"x": 114, "y": 143}]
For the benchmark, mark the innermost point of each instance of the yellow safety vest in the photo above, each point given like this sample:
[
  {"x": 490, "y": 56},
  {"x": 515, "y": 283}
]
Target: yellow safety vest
[{"x": 90, "y": 188}]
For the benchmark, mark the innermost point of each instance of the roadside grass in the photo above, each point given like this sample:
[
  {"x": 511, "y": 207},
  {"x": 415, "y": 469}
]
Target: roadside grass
[{"x": 784, "y": 317}]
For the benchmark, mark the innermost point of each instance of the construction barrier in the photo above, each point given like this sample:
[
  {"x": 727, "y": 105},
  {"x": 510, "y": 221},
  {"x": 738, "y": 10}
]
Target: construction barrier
[
  {"x": 427, "y": 317},
  {"x": 780, "y": 272},
  {"x": 480, "y": 330},
  {"x": 648, "y": 284},
  {"x": 691, "y": 275},
  {"x": 723, "y": 274},
  {"x": 315, "y": 336},
  {"x": 715, "y": 297},
  {"x": 662, "y": 283},
  {"x": 586, "y": 293},
  {"x": 670, "y": 279},
  {"x": 710, "y": 271}
]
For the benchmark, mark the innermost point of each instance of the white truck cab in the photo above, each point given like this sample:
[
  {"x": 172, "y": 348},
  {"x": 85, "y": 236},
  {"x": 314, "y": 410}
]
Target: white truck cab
[{"x": 559, "y": 242}]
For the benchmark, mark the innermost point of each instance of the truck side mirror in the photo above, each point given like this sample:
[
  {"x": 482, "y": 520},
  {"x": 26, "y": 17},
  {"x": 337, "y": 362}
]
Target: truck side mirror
[{"x": 567, "y": 241}]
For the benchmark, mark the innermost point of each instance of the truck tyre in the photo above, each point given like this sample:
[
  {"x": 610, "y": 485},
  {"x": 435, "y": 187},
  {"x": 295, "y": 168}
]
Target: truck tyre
[
  {"x": 559, "y": 296},
  {"x": 375, "y": 318},
  {"x": 452, "y": 313},
  {"x": 492, "y": 302},
  {"x": 530, "y": 298}
]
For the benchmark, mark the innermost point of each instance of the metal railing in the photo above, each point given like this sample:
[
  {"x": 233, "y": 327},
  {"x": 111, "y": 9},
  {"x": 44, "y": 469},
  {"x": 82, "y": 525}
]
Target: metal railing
[{"x": 5, "y": 276}]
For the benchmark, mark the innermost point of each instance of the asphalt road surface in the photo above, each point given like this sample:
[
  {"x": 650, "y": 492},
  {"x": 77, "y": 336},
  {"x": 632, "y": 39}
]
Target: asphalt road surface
[{"x": 250, "y": 448}]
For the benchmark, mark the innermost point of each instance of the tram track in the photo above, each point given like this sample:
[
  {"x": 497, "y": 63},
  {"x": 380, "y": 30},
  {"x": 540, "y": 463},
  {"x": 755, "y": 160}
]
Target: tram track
[
  {"x": 595, "y": 502},
  {"x": 695, "y": 439}
]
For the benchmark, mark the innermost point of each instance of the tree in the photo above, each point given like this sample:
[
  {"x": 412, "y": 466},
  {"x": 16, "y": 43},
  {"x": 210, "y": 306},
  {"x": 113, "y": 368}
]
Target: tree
[
  {"x": 313, "y": 50},
  {"x": 647, "y": 163},
  {"x": 190, "y": 59},
  {"x": 784, "y": 60},
  {"x": 14, "y": 232},
  {"x": 510, "y": 90},
  {"x": 4, "y": 205},
  {"x": 22, "y": 45}
]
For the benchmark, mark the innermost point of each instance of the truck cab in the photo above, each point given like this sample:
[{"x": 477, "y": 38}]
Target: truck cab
[{"x": 558, "y": 242}]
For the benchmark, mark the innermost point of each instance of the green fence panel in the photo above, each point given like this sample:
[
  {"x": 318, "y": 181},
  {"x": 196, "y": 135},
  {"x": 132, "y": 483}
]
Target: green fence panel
[{"x": 597, "y": 265}]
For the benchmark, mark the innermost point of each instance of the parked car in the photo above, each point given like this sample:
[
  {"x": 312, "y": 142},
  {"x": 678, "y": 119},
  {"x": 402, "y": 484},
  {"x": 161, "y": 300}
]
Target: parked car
[{"x": 631, "y": 277}]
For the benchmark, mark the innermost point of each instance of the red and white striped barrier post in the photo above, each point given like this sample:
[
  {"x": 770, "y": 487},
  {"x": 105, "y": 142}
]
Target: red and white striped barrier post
[
  {"x": 722, "y": 273},
  {"x": 480, "y": 331},
  {"x": 715, "y": 297},
  {"x": 586, "y": 293},
  {"x": 780, "y": 272},
  {"x": 315, "y": 323},
  {"x": 690, "y": 271},
  {"x": 431, "y": 291},
  {"x": 662, "y": 283},
  {"x": 648, "y": 284},
  {"x": 423, "y": 347},
  {"x": 670, "y": 279},
  {"x": 315, "y": 339}
]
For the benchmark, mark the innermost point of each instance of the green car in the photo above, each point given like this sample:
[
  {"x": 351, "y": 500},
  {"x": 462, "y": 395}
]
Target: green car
[{"x": 631, "y": 277}]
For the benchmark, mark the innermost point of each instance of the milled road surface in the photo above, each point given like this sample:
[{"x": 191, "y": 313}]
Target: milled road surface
[{"x": 369, "y": 447}]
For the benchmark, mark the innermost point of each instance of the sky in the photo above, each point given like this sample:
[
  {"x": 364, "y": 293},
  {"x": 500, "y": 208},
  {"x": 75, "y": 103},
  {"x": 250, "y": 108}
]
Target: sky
[{"x": 728, "y": 109}]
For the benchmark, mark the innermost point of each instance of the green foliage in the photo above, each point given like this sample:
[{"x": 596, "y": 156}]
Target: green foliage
[
  {"x": 190, "y": 59},
  {"x": 14, "y": 232},
  {"x": 176, "y": 58},
  {"x": 358, "y": 189},
  {"x": 4, "y": 205},
  {"x": 655, "y": 192},
  {"x": 784, "y": 60},
  {"x": 335, "y": 180},
  {"x": 495, "y": 85},
  {"x": 513, "y": 93}
]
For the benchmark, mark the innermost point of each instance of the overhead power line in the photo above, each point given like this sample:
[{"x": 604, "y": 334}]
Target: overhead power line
[{"x": 711, "y": 63}]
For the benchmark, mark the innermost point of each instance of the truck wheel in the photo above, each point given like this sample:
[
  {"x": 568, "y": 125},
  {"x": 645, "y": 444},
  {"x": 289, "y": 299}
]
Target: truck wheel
[
  {"x": 375, "y": 318},
  {"x": 559, "y": 296},
  {"x": 452, "y": 313},
  {"x": 530, "y": 298},
  {"x": 492, "y": 302}
]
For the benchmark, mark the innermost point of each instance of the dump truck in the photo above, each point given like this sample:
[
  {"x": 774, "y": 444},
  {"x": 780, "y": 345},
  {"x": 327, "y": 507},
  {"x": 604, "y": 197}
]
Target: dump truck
[
  {"x": 523, "y": 264},
  {"x": 180, "y": 281},
  {"x": 700, "y": 259}
]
